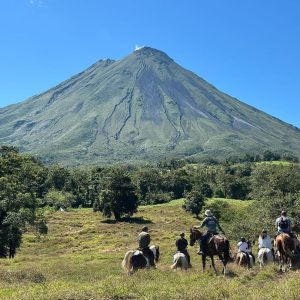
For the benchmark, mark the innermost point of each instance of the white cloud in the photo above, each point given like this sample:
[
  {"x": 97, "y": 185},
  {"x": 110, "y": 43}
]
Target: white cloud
[
  {"x": 138, "y": 47},
  {"x": 38, "y": 3}
]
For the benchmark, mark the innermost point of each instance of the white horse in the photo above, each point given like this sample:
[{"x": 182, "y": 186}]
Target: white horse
[
  {"x": 180, "y": 261},
  {"x": 264, "y": 256},
  {"x": 241, "y": 260},
  {"x": 135, "y": 259}
]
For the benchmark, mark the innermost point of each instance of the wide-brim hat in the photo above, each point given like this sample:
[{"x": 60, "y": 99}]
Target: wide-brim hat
[{"x": 208, "y": 213}]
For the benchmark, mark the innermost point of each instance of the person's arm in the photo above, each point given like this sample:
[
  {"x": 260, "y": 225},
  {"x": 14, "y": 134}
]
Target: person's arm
[
  {"x": 276, "y": 224},
  {"x": 186, "y": 243},
  {"x": 218, "y": 224},
  {"x": 203, "y": 223},
  {"x": 290, "y": 225}
]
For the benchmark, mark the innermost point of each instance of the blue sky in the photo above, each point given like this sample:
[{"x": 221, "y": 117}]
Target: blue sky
[{"x": 248, "y": 49}]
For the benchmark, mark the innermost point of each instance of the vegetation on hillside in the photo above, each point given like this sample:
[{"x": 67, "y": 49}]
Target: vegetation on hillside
[{"x": 29, "y": 187}]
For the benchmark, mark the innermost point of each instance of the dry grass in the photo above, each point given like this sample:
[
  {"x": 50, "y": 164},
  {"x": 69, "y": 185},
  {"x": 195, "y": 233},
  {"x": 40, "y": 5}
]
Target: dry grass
[{"x": 81, "y": 259}]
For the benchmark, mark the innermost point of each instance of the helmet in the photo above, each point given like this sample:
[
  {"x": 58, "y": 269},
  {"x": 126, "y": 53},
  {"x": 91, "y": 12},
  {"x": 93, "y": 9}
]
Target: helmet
[
  {"x": 145, "y": 228},
  {"x": 181, "y": 234},
  {"x": 243, "y": 239},
  {"x": 283, "y": 213}
]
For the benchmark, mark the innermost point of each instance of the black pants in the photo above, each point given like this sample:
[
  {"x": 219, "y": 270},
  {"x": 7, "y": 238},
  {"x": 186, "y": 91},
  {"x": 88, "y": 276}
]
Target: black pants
[
  {"x": 204, "y": 240},
  {"x": 149, "y": 254}
]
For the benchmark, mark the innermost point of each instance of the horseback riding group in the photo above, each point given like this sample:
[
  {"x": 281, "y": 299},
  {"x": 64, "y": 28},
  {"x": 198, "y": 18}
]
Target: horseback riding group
[{"x": 286, "y": 247}]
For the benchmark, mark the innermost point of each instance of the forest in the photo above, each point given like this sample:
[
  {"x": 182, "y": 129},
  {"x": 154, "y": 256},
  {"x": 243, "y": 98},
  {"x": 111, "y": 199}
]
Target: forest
[{"x": 28, "y": 188}]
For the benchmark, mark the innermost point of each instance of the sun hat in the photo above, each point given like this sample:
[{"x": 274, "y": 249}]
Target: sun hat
[{"x": 208, "y": 213}]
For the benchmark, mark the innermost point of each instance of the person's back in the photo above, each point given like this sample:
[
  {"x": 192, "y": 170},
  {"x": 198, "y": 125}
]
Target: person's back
[
  {"x": 211, "y": 224},
  {"x": 283, "y": 223},
  {"x": 144, "y": 242},
  {"x": 243, "y": 246},
  {"x": 264, "y": 241},
  {"x": 181, "y": 245}
]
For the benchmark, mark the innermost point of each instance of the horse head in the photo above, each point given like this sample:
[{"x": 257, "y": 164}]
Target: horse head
[{"x": 195, "y": 235}]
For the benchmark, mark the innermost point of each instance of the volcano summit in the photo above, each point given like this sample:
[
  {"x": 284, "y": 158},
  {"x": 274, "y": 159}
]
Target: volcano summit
[{"x": 143, "y": 107}]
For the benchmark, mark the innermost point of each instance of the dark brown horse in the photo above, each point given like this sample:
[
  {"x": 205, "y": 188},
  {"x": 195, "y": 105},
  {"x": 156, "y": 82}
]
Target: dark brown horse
[
  {"x": 284, "y": 246},
  {"x": 217, "y": 245}
]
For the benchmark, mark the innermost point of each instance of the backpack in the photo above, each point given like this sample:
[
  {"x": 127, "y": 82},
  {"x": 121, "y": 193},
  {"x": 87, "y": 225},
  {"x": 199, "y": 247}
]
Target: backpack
[{"x": 283, "y": 223}]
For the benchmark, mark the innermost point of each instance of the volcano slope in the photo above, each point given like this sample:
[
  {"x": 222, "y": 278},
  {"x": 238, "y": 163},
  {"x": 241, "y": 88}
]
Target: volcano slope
[{"x": 144, "y": 107}]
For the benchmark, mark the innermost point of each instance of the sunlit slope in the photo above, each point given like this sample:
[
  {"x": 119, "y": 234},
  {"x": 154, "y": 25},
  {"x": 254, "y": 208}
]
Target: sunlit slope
[
  {"x": 81, "y": 259},
  {"x": 142, "y": 107}
]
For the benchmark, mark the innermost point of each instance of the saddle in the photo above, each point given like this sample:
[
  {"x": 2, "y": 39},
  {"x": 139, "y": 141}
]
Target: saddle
[{"x": 217, "y": 236}]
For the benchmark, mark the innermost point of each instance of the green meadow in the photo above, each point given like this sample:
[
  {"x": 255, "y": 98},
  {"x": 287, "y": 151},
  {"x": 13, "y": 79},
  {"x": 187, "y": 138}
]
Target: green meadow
[{"x": 81, "y": 256}]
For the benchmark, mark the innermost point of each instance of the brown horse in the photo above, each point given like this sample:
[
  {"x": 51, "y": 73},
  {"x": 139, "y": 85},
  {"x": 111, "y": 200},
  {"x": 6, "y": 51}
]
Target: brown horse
[
  {"x": 284, "y": 246},
  {"x": 217, "y": 245}
]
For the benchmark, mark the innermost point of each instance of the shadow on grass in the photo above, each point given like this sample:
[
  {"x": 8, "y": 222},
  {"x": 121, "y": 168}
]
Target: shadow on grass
[{"x": 134, "y": 220}]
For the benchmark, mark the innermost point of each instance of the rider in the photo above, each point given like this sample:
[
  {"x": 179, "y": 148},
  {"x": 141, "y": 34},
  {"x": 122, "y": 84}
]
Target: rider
[
  {"x": 144, "y": 241},
  {"x": 284, "y": 225},
  {"x": 181, "y": 245},
  {"x": 211, "y": 223},
  {"x": 264, "y": 241},
  {"x": 244, "y": 247}
]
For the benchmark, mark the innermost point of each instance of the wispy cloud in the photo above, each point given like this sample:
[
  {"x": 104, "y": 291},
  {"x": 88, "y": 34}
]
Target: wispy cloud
[{"x": 38, "y": 3}]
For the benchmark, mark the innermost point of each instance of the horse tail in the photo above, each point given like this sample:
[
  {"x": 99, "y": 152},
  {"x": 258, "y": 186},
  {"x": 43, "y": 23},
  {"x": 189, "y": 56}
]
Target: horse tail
[
  {"x": 265, "y": 257},
  {"x": 226, "y": 251},
  {"x": 126, "y": 263},
  {"x": 287, "y": 250}
]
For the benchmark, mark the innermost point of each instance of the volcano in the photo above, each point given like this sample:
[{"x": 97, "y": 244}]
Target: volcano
[{"x": 142, "y": 108}]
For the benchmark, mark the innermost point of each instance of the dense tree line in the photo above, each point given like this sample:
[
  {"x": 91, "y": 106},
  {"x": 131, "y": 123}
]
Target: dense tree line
[{"x": 27, "y": 185}]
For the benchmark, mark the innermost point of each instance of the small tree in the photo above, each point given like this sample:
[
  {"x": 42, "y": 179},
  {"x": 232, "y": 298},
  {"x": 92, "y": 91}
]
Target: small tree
[
  {"x": 59, "y": 199},
  {"x": 118, "y": 196},
  {"x": 194, "y": 202}
]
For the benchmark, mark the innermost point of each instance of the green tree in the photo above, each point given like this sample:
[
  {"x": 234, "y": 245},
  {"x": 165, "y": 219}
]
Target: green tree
[
  {"x": 194, "y": 202},
  {"x": 118, "y": 197},
  {"x": 59, "y": 199}
]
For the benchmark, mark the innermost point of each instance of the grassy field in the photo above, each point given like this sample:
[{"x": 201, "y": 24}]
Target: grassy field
[{"x": 81, "y": 259}]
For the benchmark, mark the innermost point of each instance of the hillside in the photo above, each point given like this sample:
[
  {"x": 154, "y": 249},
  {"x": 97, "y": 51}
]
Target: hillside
[
  {"x": 81, "y": 259},
  {"x": 143, "y": 107}
]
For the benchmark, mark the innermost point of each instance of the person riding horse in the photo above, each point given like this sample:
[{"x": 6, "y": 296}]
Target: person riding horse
[
  {"x": 211, "y": 223},
  {"x": 244, "y": 247},
  {"x": 283, "y": 224},
  {"x": 144, "y": 241},
  {"x": 264, "y": 241},
  {"x": 181, "y": 245}
]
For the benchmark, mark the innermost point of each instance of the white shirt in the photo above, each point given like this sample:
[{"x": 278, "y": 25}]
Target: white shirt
[
  {"x": 264, "y": 243},
  {"x": 243, "y": 246}
]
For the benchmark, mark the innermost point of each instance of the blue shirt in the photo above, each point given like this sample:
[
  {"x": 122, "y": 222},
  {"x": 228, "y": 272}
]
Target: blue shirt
[
  {"x": 277, "y": 224},
  {"x": 211, "y": 223}
]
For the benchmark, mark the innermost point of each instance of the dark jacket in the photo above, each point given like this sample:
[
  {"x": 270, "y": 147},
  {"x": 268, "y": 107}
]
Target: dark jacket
[
  {"x": 144, "y": 240},
  {"x": 181, "y": 244}
]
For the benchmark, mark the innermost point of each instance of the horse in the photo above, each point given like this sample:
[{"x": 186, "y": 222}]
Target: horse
[
  {"x": 264, "y": 256},
  {"x": 242, "y": 261},
  {"x": 216, "y": 245},
  {"x": 180, "y": 261},
  {"x": 284, "y": 246},
  {"x": 241, "y": 258},
  {"x": 135, "y": 259}
]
